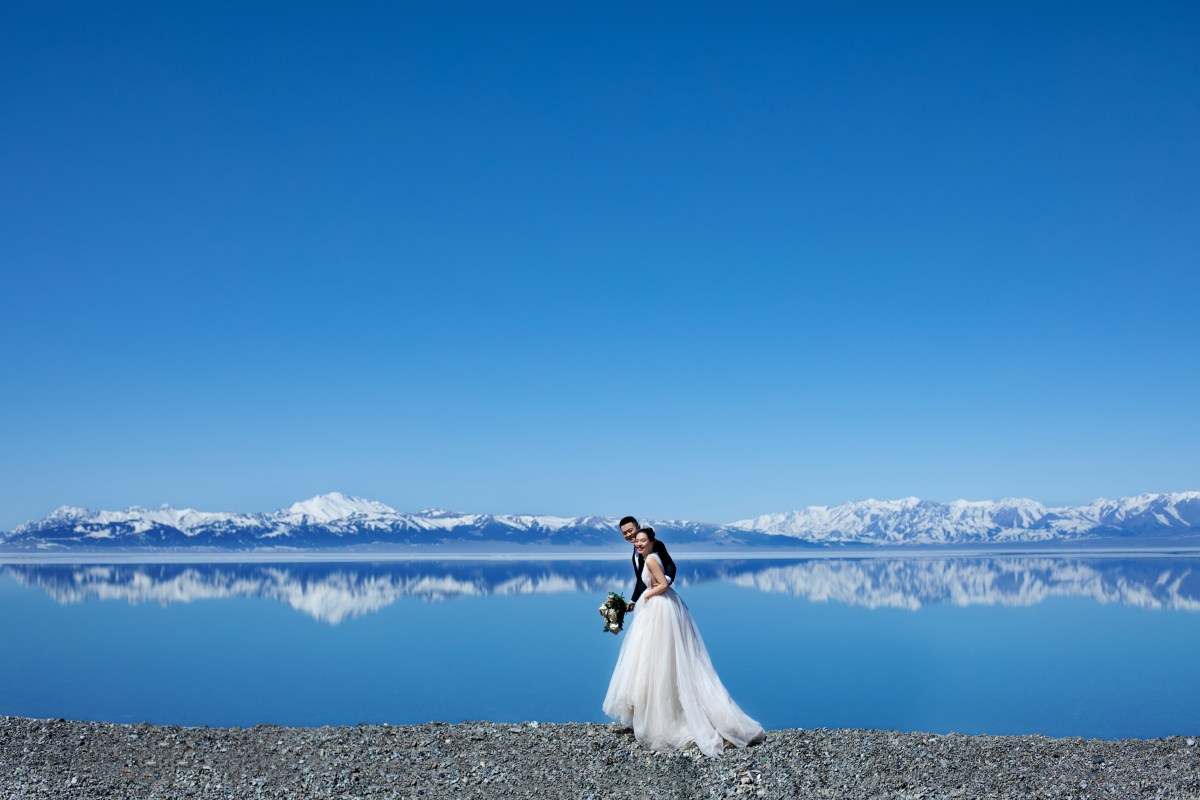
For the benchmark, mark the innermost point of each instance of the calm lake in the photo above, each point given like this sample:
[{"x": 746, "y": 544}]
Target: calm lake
[{"x": 1098, "y": 646}]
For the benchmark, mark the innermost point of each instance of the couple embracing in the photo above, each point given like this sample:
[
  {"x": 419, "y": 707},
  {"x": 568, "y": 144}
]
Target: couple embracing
[{"x": 664, "y": 684}]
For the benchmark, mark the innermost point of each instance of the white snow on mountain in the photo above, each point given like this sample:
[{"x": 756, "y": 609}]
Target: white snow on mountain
[
  {"x": 911, "y": 520},
  {"x": 338, "y": 519},
  {"x": 332, "y": 519},
  {"x": 187, "y": 520},
  {"x": 330, "y": 510},
  {"x": 138, "y": 519},
  {"x": 447, "y": 520},
  {"x": 332, "y": 506}
]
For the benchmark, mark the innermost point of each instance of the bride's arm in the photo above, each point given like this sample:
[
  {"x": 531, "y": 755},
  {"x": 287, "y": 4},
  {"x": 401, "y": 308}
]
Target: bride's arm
[{"x": 660, "y": 580}]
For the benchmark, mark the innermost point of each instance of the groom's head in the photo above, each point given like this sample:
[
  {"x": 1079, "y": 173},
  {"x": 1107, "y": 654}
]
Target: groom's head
[{"x": 629, "y": 528}]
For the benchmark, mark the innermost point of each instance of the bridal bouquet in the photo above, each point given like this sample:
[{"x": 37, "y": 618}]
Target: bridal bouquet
[{"x": 613, "y": 612}]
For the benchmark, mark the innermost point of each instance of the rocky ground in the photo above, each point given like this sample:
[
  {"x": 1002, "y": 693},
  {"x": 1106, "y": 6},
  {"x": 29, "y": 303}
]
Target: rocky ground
[{"x": 55, "y": 758}]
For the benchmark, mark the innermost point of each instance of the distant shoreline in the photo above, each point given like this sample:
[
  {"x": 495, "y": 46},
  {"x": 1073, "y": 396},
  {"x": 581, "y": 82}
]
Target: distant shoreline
[
  {"x": 553, "y": 553},
  {"x": 570, "y": 760}
]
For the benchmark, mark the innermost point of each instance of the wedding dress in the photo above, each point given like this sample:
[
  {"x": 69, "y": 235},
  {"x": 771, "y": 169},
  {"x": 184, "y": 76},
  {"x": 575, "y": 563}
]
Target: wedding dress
[{"x": 665, "y": 686}]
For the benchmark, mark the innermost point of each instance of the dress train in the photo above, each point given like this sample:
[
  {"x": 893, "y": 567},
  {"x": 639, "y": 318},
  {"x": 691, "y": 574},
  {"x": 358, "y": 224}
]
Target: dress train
[{"x": 665, "y": 686}]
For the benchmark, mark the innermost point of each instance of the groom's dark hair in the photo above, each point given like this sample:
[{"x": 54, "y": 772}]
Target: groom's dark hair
[{"x": 624, "y": 520}]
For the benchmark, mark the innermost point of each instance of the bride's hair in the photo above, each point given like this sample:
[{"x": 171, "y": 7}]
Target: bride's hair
[{"x": 649, "y": 532}]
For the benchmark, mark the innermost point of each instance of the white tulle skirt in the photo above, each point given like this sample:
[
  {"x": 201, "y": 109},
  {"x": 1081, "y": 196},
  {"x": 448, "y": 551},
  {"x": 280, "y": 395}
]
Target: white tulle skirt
[{"x": 665, "y": 686}]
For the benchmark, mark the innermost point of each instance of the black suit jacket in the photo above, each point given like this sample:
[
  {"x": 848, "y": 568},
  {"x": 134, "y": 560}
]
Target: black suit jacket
[{"x": 639, "y": 562}]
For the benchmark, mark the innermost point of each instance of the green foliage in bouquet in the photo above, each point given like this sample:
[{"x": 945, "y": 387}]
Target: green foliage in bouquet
[{"x": 613, "y": 612}]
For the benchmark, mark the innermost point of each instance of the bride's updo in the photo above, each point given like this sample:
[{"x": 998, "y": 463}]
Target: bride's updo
[{"x": 649, "y": 532}]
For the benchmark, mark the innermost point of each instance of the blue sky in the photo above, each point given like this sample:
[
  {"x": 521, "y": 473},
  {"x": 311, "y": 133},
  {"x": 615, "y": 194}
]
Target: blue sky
[{"x": 682, "y": 260}]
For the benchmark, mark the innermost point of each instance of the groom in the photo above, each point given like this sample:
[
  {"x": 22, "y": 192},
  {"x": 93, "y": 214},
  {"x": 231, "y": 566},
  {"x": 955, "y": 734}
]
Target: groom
[{"x": 629, "y": 528}]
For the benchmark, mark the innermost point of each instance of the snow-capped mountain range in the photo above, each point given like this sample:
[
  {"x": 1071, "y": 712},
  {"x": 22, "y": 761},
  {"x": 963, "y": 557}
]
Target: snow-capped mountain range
[
  {"x": 912, "y": 520},
  {"x": 338, "y": 520},
  {"x": 330, "y": 520}
]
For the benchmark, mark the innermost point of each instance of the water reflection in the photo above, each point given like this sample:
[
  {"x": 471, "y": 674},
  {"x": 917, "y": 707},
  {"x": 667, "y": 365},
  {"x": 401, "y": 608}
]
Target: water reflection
[
  {"x": 1151, "y": 583},
  {"x": 333, "y": 592}
]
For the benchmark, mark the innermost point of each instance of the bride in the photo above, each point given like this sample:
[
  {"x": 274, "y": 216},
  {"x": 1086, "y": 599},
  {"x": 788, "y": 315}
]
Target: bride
[{"x": 664, "y": 683}]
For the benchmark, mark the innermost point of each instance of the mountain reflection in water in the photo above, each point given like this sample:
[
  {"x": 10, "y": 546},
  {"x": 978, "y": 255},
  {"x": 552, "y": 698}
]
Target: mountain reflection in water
[{"x": 333, "y": 592}]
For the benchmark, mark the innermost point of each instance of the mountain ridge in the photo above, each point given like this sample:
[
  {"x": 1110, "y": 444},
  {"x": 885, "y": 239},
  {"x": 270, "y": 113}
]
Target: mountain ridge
[{"x": 335, "y": 519}]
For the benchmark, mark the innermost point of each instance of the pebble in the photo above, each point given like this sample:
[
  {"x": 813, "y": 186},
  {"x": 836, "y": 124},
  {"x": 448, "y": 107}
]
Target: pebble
[{"x": 57, "y": 758}]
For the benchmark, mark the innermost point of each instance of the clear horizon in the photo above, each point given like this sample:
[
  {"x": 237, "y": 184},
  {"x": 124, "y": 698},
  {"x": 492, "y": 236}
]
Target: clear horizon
[{"x": 697, "y": 261}]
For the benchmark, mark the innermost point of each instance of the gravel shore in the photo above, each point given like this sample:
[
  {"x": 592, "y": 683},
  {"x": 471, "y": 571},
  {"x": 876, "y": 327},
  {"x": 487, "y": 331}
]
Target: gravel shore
[{"x": 56, "y": 758}]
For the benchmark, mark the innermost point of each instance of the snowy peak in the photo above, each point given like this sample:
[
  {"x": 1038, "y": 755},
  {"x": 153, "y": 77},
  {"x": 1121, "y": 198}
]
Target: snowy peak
[
  {"x": 911, "y": 520},
  {"x": 135, "y": 518},
  {"x": 337, "y": 520},
  {"x": 326, "y": 520},
  {"x": 65, "y": 513},
  {"x": 335, "y": 506}
]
